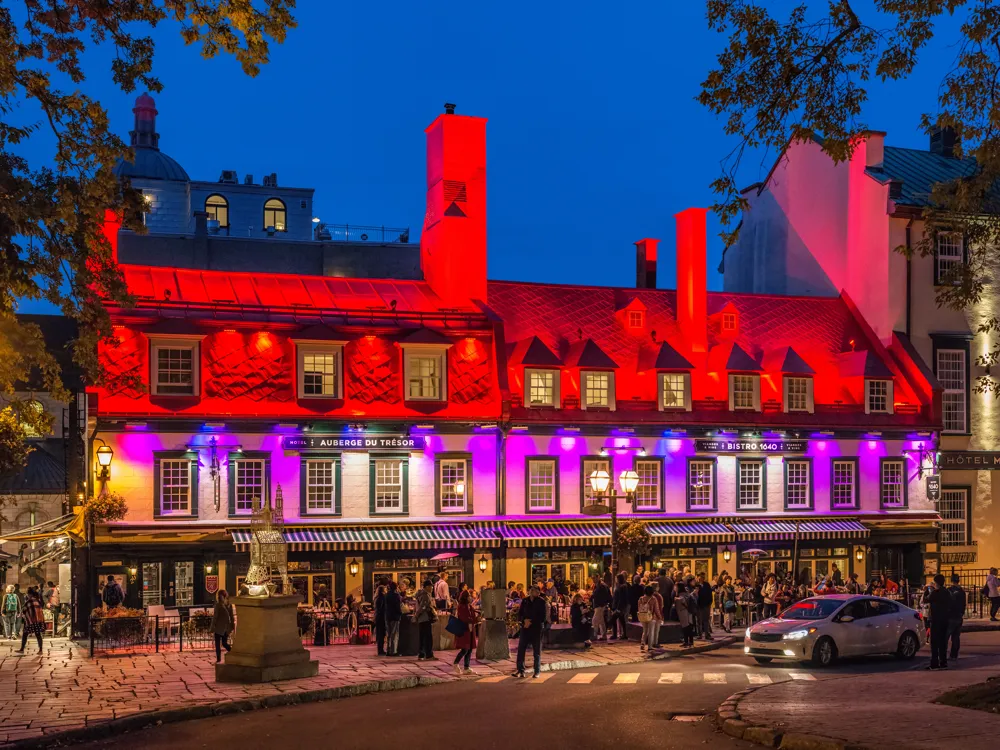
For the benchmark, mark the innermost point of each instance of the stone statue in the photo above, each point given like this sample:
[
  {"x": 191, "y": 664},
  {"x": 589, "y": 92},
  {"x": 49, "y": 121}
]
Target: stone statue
[{"x": 268, "y": 550}]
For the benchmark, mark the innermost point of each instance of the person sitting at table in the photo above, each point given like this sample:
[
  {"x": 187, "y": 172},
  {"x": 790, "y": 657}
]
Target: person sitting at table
[
  {"x": 888, "y": 585},
  {"x": 323, "y": 605}
]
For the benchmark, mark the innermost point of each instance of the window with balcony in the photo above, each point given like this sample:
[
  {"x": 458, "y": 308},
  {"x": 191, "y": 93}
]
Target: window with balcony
[
  {"x": 541, "y": 387},
  {"x": 542, "y": 485}
]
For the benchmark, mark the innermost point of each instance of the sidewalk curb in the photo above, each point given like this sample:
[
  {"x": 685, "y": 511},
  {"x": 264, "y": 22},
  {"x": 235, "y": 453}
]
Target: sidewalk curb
[
  {"x": 149, "y": 719},
  {"x": 727, "y": 719}
]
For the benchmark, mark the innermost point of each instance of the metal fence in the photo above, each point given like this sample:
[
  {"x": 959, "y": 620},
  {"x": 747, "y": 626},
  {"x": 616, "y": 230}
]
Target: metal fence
[
  {"x": 361, "y": 233},
  {"x": 150, "y": 633}
]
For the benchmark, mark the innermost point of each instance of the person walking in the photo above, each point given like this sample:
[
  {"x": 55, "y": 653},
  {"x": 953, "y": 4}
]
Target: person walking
[
  {"x": 223, "y": 623},
  {"x": 644, "y": 612},
  {"x": 380, "y": 626},
  {"x": 393, "y": 614},
  {"x": 424, "y": 615},
  {"x": 705, "y": 597},
  {"x": 620, "y": 603},
  {"x": 993, "y": 593},
  {"x": 466, "y": 643},
  {"x": 659, "y": 615},
  {"x": 957, "y": 617},
  {"x": 9, "y": 609},
  {"x": 18, "y": 621},
  {"x": 940, "y": 606},
  {"x": 33, "y": 616},
  {"x": 600, "y": 599},
  {"x": 113, "y": 595},
  {"x": 682, "y": 603},
  {"x": 530, "y": 615}
]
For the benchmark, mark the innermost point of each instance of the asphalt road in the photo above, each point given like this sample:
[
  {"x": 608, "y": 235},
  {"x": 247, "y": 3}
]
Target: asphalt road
[{"x": 635, "y": 706}]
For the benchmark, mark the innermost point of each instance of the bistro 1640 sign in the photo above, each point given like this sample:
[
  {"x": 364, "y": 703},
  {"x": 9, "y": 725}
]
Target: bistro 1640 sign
[
  {"x": 751, "y": 446},
  {"x": 357, "y": 441}
]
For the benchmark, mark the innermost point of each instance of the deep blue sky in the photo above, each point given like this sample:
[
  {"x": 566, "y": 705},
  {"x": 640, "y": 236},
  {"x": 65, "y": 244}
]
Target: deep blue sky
[{"x": 594, "y": 137}]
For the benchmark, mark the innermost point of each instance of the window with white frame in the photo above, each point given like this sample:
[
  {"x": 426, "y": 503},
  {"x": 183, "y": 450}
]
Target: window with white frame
[
  {"x": 843, "y": 485},
  {"x": 729, "y": 321},
  {"x": 750, "y": 492},
  {"x": 951, "y": 374},
  {"x": 321, "y": 486},
  {"x": 953, "y": 508},
  {"x": 674, "y": 391},
  {"x": 542, "y": 387},
  {"x": 424, "y": 375},
  {"x": 541, "y": 484},
  {"x": 175, "y": 487},
  {"x": 453, "y": 484},
  {"x": 388, "y": 485},
  {"x": 249, "y": 478},
  {"x": 647, "y": 492},
  {"x": 598, "y": 389},
  {"x": 798, "y": 484},
  {"x": 892, "y": 489},
  {"x": 589, "y": 466},
  {"x": 319, "y": 371},
  {"x": 635, "y": 318},
  {"x": 175, "y": 368},
  {"x": 949, "y": 256},
  {"x": 701, "y": 477},
  {"x": 744, "y": 392},
  {"x": 798, "y": 394},
  {"x": 878, "y": 397}
]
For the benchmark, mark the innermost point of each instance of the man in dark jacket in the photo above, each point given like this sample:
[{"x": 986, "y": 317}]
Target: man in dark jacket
[
  {"x": 600, "y": 599},
  {"x": 940, "y": 604},
  {"x": 619, "y": 617},
  {"x": 393, "y": 614},
  {"x": 635, "y": 592},
  {"x": 705, "y": 597},
  {"x": 666, "y": 586},
  {"x": 531, "y": 616},
  {"x": 112, "y": 596},
  {"x": 958, "y": 600},
  {"x": 380, "y": 618}
]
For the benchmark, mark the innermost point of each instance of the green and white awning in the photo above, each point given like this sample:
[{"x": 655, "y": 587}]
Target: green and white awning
[{"x": 429, "y": 536}]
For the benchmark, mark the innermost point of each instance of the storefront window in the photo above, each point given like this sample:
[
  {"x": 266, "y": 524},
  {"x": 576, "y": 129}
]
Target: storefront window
[
  {"x": 184, "y": 583},
  {"x": 151, "y": 592}
]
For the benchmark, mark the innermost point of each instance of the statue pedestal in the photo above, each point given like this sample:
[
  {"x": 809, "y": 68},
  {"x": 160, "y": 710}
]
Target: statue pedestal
[
  {"x": 266, "y": 645},
  {"x": 493, "y": 644}
]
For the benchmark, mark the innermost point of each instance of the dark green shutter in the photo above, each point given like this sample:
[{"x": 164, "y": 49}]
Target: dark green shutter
[
  {"x": 371, "y": 486},
  {"x": 156, "y": 486},
  {"x": 406, "y": 486},
  {"x": 195, "y": 470},
  {"x": 303, "y": 490}
]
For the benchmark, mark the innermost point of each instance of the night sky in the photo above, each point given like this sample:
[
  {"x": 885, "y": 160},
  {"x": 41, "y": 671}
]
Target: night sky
[{"x": 595, "y": 139}]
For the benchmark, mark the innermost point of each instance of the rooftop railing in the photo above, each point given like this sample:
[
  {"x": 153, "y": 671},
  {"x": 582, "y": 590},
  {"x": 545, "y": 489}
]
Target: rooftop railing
[{"x": 323, "y": 232}]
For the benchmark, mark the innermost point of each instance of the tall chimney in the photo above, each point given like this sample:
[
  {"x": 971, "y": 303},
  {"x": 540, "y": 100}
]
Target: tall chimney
[
  {"x": 112, "y": 223},
  {"x": 692, "y": 295},
  {"x": 645, "y": 263},
  {"x": 943, "y": 141},
  {"x": 453, "y": 243}
]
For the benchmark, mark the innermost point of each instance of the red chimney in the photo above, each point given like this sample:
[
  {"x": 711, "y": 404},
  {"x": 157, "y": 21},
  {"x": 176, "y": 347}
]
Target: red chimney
[
  {"x": 453, "y": 243},
  {"x": 645, "y": 263},
  {"x": 112, "y": 223},
  {"x": 692, "y": 311}
]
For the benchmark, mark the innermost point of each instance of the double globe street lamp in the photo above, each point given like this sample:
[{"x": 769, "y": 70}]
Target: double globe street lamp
[{"x": 601, "y": 484}]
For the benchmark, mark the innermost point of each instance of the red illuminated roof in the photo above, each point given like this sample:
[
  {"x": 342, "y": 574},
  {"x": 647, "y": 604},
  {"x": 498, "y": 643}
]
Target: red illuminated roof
[
  {"x": 663, "y": 358},
  {"x": 199, "y": 288}
]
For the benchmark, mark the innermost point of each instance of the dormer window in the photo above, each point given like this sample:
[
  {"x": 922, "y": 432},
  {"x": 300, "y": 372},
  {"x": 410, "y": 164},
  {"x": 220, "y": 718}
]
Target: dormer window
[
  {"x": 597, "y": 390},
  {"x": 636, "y": 319},
  {"x": 541, "y": 387},
  {"x": 878, "y": 397},
  {"x": 744, "y": 392},
  {"x": 675, "y": 391},
  {"x": 275, "y": 215},
  {"x": 729, "y": 322},
  {"x": 798, "y": 394}
]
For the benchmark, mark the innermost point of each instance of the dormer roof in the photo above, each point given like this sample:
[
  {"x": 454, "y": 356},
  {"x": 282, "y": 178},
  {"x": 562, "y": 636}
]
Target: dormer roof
[
  {"x": 532, "y": 352},
  {"x": 787, "y": 361},
  {"x": 663, "y": 357},
  {"x": 587, "y": 354},
  {"x": 731, "y": 357}
]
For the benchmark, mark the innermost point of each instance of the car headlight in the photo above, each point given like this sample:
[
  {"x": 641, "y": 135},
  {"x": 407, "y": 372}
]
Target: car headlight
[{"x": 798, "y": 635}]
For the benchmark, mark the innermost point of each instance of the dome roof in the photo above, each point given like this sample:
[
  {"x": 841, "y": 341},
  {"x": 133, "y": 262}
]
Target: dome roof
[{"x": 151, "y": 164}]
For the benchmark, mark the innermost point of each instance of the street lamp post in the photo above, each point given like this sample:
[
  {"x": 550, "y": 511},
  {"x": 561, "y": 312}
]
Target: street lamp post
[{"x": 600, "y": 483}]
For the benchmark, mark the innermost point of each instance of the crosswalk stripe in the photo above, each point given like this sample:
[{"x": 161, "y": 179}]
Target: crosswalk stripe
[
  {"x": 715, "y": 677},
  {"x": 801, "y": 676},
  {"x": 494, "y": 678},
  {"x": 542, "y": 677},
  {"x": 672, "y": 678},
  {"x": 627, "y": 678},
  {"x": 583, "y": 678},
  {"x": 758, "y": 679}
]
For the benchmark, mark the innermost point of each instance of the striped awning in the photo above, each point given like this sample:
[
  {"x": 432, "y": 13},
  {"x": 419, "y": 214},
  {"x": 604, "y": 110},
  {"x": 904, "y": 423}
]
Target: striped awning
[
  {"x": 443, "y": 536},
  {"x": 689, "y": 532},
  {"x": 558, "y": 534},
  {"x": 70, "y": 525},
  {"x": 768, "y": 529}
]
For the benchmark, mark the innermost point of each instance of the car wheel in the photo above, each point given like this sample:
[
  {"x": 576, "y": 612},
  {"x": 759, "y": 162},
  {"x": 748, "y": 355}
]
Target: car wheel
[
  {"x": 908, "y": 646},
  {"x": 824, "y": 652},
  {"x": 762, "y": 659}
]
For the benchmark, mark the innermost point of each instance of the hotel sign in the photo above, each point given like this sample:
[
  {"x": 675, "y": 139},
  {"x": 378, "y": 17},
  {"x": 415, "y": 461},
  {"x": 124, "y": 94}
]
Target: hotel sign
[
  {"x": 970, "y": 460},
  {"x": 355, "y": 441},
  {"x": 751, "y": 446}
]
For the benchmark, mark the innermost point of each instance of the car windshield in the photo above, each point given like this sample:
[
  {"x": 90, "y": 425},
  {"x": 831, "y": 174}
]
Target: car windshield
[{"x": 811, "y": 609}]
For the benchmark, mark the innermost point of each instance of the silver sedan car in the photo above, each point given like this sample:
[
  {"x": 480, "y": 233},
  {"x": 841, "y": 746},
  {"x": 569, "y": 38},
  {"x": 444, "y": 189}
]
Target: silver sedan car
[{"x": 822, "y": 629}]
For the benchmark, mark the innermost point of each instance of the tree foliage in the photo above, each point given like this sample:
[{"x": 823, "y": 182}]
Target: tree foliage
[
  {"x": 51, "y": 212},
  {"x": 810, "y": 73}
]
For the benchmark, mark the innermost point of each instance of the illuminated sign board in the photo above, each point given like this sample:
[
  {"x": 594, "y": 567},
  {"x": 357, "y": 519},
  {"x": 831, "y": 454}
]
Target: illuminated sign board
[
  {"x": 354, "y": 441},
  {"x": 748, "y": 445}
]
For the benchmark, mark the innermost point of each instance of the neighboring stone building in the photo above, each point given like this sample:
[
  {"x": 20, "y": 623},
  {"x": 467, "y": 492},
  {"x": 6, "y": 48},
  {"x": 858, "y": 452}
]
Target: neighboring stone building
[{"x": 815, "y": 227}]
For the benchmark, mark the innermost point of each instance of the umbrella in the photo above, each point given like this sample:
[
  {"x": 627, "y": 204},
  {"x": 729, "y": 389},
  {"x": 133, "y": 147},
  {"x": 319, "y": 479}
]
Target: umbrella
[
  {"x": 754, "y": 551},
  {"x": 445, "y": 556}
]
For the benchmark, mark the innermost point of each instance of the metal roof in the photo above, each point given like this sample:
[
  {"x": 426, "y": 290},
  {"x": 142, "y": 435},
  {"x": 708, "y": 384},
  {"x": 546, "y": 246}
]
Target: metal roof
[{"x": 919, "y": 171}]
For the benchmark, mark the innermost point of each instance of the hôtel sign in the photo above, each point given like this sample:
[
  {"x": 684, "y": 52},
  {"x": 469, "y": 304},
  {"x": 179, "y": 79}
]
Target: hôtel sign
[
  {"x": 970, "y": 460},
  {"x": 751, "y": 446},
  {"x": 355, "y": 441}
]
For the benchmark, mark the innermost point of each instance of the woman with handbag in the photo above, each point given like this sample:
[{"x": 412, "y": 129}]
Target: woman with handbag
[
  {"x": 465, "y": 641},
  {"x": 34, "y": 619}
]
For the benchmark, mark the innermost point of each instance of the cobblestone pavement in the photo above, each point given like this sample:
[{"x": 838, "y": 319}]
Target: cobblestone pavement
[
  {"x": 65, "y": 689},
  {"x": 887, "y": 710}
]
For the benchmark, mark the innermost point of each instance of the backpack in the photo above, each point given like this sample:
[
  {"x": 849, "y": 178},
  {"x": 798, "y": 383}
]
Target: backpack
[
  {"x": 645, "y": 611},
  {"x": 113, "y": 595}
]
